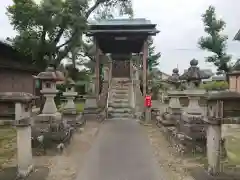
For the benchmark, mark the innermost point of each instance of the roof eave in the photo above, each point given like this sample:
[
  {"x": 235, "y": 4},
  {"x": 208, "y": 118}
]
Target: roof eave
[
  {"x": 237, "y": 36},
  {"x": 149, "y": 32}
]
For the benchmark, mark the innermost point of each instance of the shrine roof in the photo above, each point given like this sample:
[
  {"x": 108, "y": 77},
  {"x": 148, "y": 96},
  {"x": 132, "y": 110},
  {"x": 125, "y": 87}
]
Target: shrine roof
[
  {"x": 121, "y": 36},
  {"x": 139, "y": 25}
]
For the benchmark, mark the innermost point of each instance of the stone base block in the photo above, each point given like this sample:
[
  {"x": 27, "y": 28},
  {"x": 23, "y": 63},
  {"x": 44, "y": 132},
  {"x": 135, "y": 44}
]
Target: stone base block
[
  {"x": 168, "y": 119},
  {"x": 195, "y": 131},
  {"x": 48, "y": 118},
  {"x": 74, "y": 120},
  {"x": 22, "y": 173},
  {"x": 192, "y": 118}
]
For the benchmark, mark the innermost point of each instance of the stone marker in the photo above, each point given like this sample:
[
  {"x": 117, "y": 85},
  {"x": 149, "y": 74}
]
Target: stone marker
[{"x": 22, "y": 121}]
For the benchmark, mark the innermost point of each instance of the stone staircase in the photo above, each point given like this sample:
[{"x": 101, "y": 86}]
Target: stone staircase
[{"x": 118, "y": 104}]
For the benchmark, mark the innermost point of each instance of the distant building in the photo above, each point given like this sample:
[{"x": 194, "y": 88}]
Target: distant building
[
  {"x": 160, "y": 75},
  {"x": 15, "y": 76}
]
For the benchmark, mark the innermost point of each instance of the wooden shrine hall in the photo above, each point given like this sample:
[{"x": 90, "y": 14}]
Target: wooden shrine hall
[{"x": 119, "y": 39}]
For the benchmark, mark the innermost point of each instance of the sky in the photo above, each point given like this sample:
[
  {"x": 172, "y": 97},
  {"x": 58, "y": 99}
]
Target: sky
[{"x": 180, "y": 26}]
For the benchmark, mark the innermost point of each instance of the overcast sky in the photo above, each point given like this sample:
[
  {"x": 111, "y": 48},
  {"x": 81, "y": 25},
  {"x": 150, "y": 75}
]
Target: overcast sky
[{"x": 180, "y": 24}]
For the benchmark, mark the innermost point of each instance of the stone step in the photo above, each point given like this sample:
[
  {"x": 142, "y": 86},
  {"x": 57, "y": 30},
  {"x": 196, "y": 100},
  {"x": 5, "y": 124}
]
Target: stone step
[
  {"x": 121, "y": 115},
  {"x": 119, "y": 119},
  {"x": 119, "y": 96},
  {"x": 117, "y": 100},
  {"x": 119, "y": 92},
  {"x": 119, "y": 105},
  {"x": 119, "y": 110}
]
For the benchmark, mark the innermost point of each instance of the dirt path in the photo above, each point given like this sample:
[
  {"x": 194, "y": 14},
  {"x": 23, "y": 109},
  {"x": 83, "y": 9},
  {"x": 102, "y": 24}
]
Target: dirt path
[{"x": 173, "y": 165}]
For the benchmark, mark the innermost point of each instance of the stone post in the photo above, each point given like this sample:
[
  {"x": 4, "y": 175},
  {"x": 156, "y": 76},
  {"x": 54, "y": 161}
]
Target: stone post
[
  {"x": 214, "y": 148},
  {"x": 23, "y": 126}
]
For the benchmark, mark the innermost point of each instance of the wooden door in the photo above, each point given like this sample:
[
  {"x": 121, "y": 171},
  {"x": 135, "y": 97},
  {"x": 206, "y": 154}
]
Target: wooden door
[{"x": 121, "y": 68}]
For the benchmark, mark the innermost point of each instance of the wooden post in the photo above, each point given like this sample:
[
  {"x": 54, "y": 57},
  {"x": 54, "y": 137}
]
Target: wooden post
[
  {"x": 97, "y": 55},
  {"x": 145, "y": 56}
]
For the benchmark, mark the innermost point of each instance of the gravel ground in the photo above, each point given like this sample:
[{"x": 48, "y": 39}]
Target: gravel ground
[{"x": 173, "y": 165}]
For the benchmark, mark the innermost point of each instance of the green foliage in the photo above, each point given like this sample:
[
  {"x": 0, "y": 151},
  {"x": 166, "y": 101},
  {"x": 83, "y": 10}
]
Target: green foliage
[
  {"x": 56, "y": 27},
  {"x": 215, "y": 42},
  {"x": 153, "y": 57},
  {"x": 80, "y": 107},
  {"x": 215, "y": 86}
]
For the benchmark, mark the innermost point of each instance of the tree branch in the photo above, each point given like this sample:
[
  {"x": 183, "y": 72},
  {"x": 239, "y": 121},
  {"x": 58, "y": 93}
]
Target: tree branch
[
  {"x": 66, "y": 50},
  {"x": 59, "y": 35},
  {"x": 97, "y": 3}
]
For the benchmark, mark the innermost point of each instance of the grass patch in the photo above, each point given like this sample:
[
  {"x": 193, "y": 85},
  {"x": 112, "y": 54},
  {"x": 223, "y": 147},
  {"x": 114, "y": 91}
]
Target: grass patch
[
  {"x": 7, "y": 144},
  {"x": 233, "y": 149},
  {"x": 79, "y": 107}
]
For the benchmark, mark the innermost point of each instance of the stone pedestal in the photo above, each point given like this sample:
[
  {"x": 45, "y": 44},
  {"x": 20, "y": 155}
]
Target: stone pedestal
[
  {"x": 192, "y": 117},
  {"x": 91, "y": 108},
  {"x": 24, "y": 150},
  {"x": 49, "y": 105},
  {"x": 70, "y": 105},
  {"x": 174, "y": 110}
]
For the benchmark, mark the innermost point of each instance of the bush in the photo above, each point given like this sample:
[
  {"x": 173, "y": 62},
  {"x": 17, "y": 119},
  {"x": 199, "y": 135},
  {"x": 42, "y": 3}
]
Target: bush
[{"x": 215, "y": 86}]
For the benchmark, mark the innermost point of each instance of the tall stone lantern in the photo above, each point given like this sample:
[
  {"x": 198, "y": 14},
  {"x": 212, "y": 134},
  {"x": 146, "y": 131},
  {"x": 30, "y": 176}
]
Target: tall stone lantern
[
  {"x": 49, "y": 91},
  {"x": 174, "y": 104},
  {"x": 173, "y": 113},
  {"x": 193, "y": 115}
]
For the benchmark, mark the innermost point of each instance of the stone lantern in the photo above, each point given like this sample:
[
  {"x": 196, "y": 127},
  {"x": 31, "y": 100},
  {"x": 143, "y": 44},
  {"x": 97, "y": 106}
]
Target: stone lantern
[
  {"x": 193, "y": 115},
  {"x": 49, "y": 91},
  {"x": 174, "y": 104},
  {"x": 173, "y": 114},
  {"x": 70, "y": 94}
]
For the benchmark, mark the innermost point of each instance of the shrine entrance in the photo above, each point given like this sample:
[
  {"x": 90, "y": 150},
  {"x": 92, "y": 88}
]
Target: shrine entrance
[{"x": 121, "y": 68}]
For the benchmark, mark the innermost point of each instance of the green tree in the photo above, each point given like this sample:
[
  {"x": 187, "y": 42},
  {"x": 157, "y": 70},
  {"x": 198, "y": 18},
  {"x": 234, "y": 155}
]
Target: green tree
[
  {"x": 215, "y": 42},
  {"x": 153, "y": 57},
  {"x": 55, "y": 27}
]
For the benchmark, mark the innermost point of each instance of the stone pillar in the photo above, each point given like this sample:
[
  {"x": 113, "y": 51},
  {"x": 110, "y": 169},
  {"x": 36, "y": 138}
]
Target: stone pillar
[
  {"x": 23, "y": 127},
  {"x": 213, "y": 148}
]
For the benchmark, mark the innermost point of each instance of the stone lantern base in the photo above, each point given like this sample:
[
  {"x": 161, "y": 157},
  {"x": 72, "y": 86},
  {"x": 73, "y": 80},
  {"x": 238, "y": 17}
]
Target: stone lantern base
[{"x": 192, "y": 124}]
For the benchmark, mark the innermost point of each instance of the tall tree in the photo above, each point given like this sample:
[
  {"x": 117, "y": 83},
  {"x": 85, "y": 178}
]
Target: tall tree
[
  {"x": 153, "y": 57},
  {"x": 56, "y": 27},
  {"x": 215, "y": 42}
]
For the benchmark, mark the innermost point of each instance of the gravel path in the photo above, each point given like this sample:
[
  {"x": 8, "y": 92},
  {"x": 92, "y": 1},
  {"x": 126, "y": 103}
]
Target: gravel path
[{"x": 121, "y": 152}]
